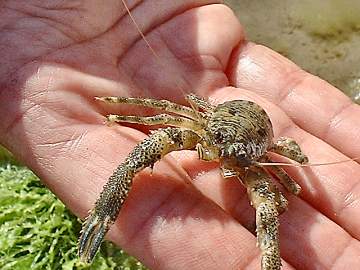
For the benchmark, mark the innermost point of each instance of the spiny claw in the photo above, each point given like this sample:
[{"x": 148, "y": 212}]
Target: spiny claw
[{"x": 92, "y": 235}]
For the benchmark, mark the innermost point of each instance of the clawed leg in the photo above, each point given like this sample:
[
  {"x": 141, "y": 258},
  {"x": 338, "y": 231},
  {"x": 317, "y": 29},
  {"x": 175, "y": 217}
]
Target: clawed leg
[
  {"x": 164, "y": 105},
  {"x": 160, "y": 119},
  {"x": 114, "y": 193},
  {"x": 289, "y": 148},
  {"x": 269, "y": 203}
]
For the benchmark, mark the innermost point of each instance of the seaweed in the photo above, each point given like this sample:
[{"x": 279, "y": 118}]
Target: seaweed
[{"x": 37, "y": 231}]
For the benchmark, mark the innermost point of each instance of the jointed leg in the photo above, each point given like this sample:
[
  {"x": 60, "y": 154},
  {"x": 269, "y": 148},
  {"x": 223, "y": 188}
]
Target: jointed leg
[
  {"x": 198, "y": 102},
  {"x": 160, "y": 119},
  {"x": 284, "y": 178},
  {"x": 269, "y": 203},
  {"x": 289, "y": 148},
  {"x": 154, "y": 103},
  {"x": 114, "y": 193}
]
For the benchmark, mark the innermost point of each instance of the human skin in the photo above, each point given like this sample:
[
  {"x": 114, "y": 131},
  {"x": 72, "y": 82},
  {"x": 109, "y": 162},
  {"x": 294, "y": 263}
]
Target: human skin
[{"x": 56, "y": 56}]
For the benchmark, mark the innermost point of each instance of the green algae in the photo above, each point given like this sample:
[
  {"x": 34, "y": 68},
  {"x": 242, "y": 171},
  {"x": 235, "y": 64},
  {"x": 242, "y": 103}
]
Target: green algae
[{"x": 37, "y": 231}]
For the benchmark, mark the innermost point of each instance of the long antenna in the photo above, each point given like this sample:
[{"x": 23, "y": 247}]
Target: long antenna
[
  {"x": 139, "y": 30},
  {"x": 158, "y": 59},
  {"x": 305, "y": 165}
]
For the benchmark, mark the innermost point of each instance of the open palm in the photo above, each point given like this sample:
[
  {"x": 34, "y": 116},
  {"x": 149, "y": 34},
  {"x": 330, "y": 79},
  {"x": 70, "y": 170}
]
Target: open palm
[{"x": 57, "y": 55}]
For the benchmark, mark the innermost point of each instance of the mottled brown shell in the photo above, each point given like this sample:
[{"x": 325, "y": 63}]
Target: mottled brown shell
[{"x": 242, "y": 131}]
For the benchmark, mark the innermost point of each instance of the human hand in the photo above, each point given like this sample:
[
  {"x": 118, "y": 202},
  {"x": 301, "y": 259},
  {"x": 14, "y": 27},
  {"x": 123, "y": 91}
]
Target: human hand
[{"x": 56, "y": 59}]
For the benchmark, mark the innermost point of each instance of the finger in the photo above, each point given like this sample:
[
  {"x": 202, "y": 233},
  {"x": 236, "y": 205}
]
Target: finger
[
  {"x": 311, "y": 103},
  {"x": 185, "y": 55}
]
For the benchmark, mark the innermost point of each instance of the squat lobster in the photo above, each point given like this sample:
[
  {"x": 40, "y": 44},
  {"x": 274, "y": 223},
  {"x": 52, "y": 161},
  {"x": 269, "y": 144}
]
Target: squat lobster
[{"x": 237, "y": 133}]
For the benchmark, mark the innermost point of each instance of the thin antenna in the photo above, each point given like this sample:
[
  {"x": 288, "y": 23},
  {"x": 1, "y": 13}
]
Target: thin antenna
[
  {"x": 305, "y": 165},
  {"x": 158, "y": 59},
  {"x": 139, "y": 30}
]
